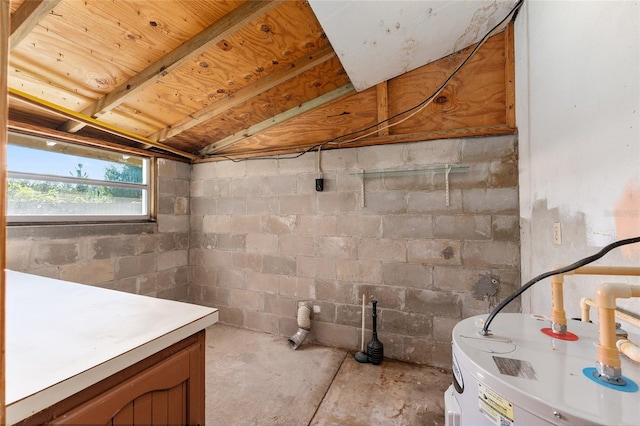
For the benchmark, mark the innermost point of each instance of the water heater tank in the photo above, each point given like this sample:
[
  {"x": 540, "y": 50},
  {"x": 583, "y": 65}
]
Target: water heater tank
[{"x": 521, "y": 376}]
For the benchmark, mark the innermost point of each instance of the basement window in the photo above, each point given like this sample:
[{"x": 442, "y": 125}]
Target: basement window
[{"x": 52, "y": 181}]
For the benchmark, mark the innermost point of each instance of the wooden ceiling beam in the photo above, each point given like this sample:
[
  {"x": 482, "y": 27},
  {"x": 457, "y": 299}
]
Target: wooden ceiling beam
[
  {"x": 225, "y": 26},
  {"x": 26, "y": 17},
  {"x": 96, "y": 124},
  {"x": 243, "y": 95},
  {"x": 334, "y": 95}
]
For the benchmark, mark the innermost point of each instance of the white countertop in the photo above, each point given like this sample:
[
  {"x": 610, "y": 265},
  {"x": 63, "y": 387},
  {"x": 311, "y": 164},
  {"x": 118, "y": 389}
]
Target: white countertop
[{"x": 62, "y": 337}]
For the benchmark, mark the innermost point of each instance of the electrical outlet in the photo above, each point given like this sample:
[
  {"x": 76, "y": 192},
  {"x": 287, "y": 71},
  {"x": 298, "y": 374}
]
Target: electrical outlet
[
  {"x": 316, "y": 309},
  {"x": 557, "y": 233}
]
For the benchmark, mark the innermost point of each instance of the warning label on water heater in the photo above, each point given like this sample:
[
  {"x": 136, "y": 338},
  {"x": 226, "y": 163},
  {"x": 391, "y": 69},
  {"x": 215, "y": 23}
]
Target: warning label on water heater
[{"x": 494, "y": 406}]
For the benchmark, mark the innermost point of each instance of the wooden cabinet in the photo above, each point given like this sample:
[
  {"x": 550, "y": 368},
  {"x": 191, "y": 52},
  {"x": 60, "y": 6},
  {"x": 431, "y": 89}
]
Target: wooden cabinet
[{"x": 165, "y": 389}]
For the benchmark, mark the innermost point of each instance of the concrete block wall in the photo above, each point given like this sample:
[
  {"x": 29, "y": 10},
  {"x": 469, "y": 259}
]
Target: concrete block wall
[
  {"x": 149, "y": 258},
  {"x": 262, "y": 240}
]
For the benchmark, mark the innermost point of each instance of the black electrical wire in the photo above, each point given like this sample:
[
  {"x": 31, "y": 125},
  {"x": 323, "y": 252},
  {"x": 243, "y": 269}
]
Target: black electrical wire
[
  {"x": 573, "y": 266},
  {"x": 336, "y": 139}
]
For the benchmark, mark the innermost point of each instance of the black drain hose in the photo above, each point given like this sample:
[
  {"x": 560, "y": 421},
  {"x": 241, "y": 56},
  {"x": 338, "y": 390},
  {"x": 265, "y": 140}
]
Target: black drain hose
[{"x": 576, "y": 265}]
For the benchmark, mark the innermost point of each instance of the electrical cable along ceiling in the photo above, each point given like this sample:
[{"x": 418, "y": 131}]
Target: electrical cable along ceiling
[{"x": 196, "y": 80}]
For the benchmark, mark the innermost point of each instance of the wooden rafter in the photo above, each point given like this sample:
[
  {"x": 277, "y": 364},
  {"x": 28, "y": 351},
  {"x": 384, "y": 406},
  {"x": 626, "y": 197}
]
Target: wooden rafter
[
  {"x": 270, "y": 81},
  {"x": 26, "y": 17},
  {"x": 382, "y": 93},
  {"x": 213, "y": 34},
  {"x": 336, "y": 94}
]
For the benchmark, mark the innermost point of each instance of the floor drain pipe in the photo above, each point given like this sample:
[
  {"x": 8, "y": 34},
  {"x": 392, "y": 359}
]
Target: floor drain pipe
[{"x": 304, "y": 325}]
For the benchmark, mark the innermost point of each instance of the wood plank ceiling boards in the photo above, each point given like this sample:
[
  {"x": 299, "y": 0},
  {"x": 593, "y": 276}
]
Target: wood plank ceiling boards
[{"x": 198, "y": 80}]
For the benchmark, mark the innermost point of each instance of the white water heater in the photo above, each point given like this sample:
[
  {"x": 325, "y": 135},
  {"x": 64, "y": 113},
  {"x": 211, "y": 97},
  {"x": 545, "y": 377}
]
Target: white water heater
[{"x": 520, "y": 375}]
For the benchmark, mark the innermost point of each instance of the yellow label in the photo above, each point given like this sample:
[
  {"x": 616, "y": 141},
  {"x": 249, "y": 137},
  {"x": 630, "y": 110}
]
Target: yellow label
[{"x": 499, "y": 409}]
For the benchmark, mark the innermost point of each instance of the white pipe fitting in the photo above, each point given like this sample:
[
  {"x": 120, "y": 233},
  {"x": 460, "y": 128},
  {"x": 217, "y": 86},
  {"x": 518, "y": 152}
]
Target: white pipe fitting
[
  {"x": 629, "y": 348},
  {"x": 304, "y": 325}
]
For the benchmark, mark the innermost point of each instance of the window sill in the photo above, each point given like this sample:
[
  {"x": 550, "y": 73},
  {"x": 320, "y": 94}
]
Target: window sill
[{"x": 67, "y": 230}]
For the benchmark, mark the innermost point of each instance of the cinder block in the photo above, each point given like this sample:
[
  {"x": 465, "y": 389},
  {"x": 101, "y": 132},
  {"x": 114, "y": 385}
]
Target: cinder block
[
  {"x": 303, "y": 164},
  {"x": 231, "y": 316},
  {"x": 264, "y": 283},
  {"x": 434, "y": 252},
  {"x": 476, "y": 176},
  {"x": 411, "y": 275},
  {"x": 281, "y": 306},
  {"x": 262, "y": 243},
  {"x": 456, "y": 279},
  {"x": 166, "y": 168},
  {"x": 202, "y": 276},
  {"x": 393, "y": 344},
  {"x": 247, "y": 187},
  {"x": 278, "y": 185},
  {"x": 494, "y": 254},
  {"x": 172, "y": 259},
  {"x": 419, "y": 351},
  {"x": 231, "y": 206},
  {"x": 263, "y": 205},
  {"x": 202, "y": 171},
  {"x": 389, "y": 250},
  {"x": 340, "y": 247},
  {"x": 183, "y": 170},
  {"x": 287, "y": 326},
  {"x": 165, "y": 242},
  {"x": 203, "y": 206},
  {"x": 283, "y": 265},
  {"x": 297, "y": 204},
  {"x": 196, "y": 188},
  {"x": 55, "y": 253},
  {"x": 261, "y": 321},
  {"x": 128, "y": 285},
  {"x": 335, "y": 335},
  {"x": 316, "y": 267},
  {"x": 339, "y": 159},
  {"x": 146, "y": 243},
  {"x": 299, "y": 287},
  {"x": 246, "y": 224},
  {"x": 166, "y": 204},
  {"x": 214, "y": 296},
  {"x": 492, "y": 200},
  {"x": 262, "y": 167},
  {"x": 231, "y": 278},
  {"x": 295, "y": 245},
  {"x": 279, "y": 224},
  {"x": 506, "y": 228},
  {"x": 229, "y": 169},
  {"x": 381, "y": 157},
  {"x": 360, "y": 226},
  {"x": 407, "y": 226},
  {"x": 360, "y": 271},
  {"x": 442, "y": 328},
  {"x": 248, "y": 261},
  {"x": 435, "y": 303},
  {"x": 246, "y": 300},
  {"x": 182, "y": 188},
  {"x": 178, "y": 293},
  {"x": 216, "y": 259},
  {"x": 408, "y": 324},
  {"x": 387, "y": 297},
  {"x": 120, "y": 246},
  {"x": 337, "y": 202},
  {"x": 132, "y": 266},
  {"x": 94, "y": 272},
  {"x": 217, "y": 188},
  {"x": 317, "y": 225},
  {"x": 171, "y": 223},
  {"x": 462, "y": 227},
  {"x": 441, "y": 355},
  {"x": 216, "y": 224},
  {"x": 504, "y": 174},
  {"x": 350, "y": 315},
  {"x": 335, "y": 291},
  {"x": 434, "y": 201},
  {"x": 434, "y": 153},
  {"x": 234, "y": 242},
  {"x": 17, "y": 255},
  {"x": 384, "y": 202},
  {"x": 181, "y": 205},
  {"x": 166, "y": 186},
  {"x": 489, "y": 148}
]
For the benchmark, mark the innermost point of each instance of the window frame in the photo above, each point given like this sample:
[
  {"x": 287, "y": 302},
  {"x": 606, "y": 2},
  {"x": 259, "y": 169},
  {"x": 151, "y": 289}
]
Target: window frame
[{"x": 148, "y": 188}]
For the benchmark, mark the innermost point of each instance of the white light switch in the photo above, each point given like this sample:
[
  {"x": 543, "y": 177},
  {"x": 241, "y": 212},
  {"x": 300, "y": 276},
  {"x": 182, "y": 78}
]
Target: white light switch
[{"x": 557, "y": 233}]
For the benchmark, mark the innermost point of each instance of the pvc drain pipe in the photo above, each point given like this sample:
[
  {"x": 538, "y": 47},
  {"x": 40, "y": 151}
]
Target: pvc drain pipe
[{"x": 304, "y": 325}]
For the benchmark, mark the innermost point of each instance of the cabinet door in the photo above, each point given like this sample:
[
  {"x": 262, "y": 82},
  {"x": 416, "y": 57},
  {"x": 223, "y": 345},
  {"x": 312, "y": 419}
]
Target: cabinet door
[{"x": 160, "y": 395}]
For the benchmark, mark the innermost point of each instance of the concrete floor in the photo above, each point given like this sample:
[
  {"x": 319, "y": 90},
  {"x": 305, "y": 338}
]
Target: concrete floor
[{"x": 257, "y": 379}]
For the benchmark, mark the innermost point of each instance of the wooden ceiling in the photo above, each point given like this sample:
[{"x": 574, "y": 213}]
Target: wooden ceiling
[{"x": 208, "y": 80}]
